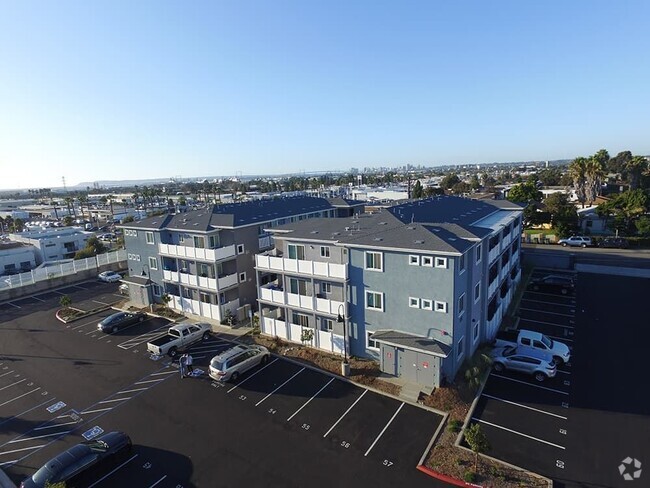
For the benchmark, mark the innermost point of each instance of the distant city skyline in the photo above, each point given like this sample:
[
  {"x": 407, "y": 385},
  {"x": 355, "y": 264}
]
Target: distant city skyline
[{"x": 138, "y": 90}]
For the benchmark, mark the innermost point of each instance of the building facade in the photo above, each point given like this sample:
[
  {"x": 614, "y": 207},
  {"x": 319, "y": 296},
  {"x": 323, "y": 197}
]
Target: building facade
[
  {"x": 16, "y": 257},
  {"x": 419, "y": 285},
  {"x": 204, "y": 260},
  {"x": 53, "y": 244}
]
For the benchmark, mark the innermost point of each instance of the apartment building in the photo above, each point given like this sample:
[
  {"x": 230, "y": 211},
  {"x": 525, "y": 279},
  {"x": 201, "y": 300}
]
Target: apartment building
[
  {"x": 417, "y": 286},
  {"x": 204, "y": 259}
]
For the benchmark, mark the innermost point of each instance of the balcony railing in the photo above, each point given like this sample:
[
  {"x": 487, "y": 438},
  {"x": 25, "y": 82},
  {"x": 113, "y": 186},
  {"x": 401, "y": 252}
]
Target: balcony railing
[
  {"x": 493, "y": 254},
  {"x": 187, "y": 252},
  {"x": 200, "y": 281},
  {"x": 327, "y": 341},
  {"x": 265, "y": 242},
  {"x": 322, "y": 305},
  {"x": 227, "y": 281},
  {"x": 493, "y": 287},
  {"x": 307, "y": 268}
]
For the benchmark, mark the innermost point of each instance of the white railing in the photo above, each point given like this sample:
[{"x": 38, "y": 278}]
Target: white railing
[
  {"x": 195, "y": 307},
  {"x": 493, "y": 254},
  {"x": 327, "y": 341},
  {"x": 302, "y": 301},
  {"x": 203, "y": 282},
  {"x": 327, "y": 306},
  {"x": 265, "y": 242},
  {"x": 515, "y": 234},
  {"x": 272, "y": 295},
  {"x": 188, "y": 252},
  {"x": 62, "y": 269},
  {"x": 503, "y": 273},
  {"x": 505, "y": 242},
  {"x": 492, "y": 287},
  {"x": 229, "y": 280},
  {"x": 309, "y": 268},
  {"x": 209, "y": 283}
]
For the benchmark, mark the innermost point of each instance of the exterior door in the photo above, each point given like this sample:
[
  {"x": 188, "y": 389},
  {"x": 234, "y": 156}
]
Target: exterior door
[
  {"x": 427, "y": 371},
  {"x": 408, "y": 365},
  {"x": 388, "y": 359}
]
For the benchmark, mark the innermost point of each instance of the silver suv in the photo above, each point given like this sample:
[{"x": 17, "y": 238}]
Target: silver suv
[
  {"x": 536, "y": 363},
  {"x": 575, "y": 241},
  {"x": 233, "y": 362}
]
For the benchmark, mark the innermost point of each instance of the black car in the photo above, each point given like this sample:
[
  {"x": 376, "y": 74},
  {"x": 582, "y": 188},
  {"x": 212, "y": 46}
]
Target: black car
[
  {"x": 553, "y": 283},
  {"x": 614, "y": 242},
  {"x": 119, "y": 320},
  {"x": 82, "y": 463}
]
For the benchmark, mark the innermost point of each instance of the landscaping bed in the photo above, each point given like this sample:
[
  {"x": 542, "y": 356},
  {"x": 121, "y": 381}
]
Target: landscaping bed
[{"x": 69, "y": 314}]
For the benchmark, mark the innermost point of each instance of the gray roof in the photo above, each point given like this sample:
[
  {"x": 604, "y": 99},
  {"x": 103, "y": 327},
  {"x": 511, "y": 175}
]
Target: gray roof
[
  {"x": 137, "y": 280},
  {"x": 412, "y": 341}
]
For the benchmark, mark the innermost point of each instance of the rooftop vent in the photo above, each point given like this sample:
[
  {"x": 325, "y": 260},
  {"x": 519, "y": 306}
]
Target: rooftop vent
[
  {"x": 347, "y": 229},
  {"x": 451, "y": 238},
  {"x": 419, "y": 241},
  {"x": 410, "y": 227},
  {"x": 378, "y": 239},
  {"x": 336, "y": 233},
  {"x": 383, "y": 223},
  {"x": 314, "y": 232}
]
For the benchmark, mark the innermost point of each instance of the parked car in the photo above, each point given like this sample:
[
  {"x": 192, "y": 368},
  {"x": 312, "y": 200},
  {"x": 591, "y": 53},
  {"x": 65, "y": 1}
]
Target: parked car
[
  {"x": 120, "y": 320},
  {"x": 536, "y": 363},
  {"x": 527, "y": 339},
  {"x": 79, "y": 465},
  {"x": 614, "y": 242},
  {"x": 575, "y": 241},
  {"x": 233, "y": 362},
  {"x": 109, "y": 276},
  {"x": 554, "y": 284},
  {"x": 179, "y": 337}
]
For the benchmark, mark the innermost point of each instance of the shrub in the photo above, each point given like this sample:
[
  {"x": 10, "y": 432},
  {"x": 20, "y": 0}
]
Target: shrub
[
  {"x": 454, "y": 425},
  {"x": 469, "y": 476}
]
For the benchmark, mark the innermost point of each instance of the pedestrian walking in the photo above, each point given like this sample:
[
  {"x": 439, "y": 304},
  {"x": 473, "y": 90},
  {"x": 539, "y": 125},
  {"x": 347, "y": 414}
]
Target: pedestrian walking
[
  {"x": 181, "y": 364},
  {"x": 188, "y": 362}
]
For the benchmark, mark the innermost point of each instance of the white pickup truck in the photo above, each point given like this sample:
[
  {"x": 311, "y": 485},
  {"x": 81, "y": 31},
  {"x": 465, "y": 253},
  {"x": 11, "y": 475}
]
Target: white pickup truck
[
  {"x": 534, "y": 340},
  {"x": 179, "y": 337}
]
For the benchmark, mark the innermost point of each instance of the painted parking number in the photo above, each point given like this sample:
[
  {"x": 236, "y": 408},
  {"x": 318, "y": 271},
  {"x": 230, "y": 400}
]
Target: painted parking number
[
  {"x": 559, "y": 464},
  {"x": 345, "y": 444},
  {"x": 387, "y": 463},
  {"x": 146, "y": 465},
  {"x": 305, "y": 426}
]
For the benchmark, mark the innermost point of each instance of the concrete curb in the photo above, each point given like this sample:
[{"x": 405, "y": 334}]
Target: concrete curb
[
  {"x": 447, "y": 479},
  {"x": 82, "y": 316}
]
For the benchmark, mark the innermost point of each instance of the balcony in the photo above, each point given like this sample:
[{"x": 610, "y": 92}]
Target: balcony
[
  {"x": 325, "y": 305},
  {"x": 228, "y": 281},
  {"x": 191, "y": 280},
  {"x": 265, "y": 242},
  {"x": 505, "y": 242},
  {"x": 493, "y": 254},
  {"x": 306, "y": 268},
  {"x": 302, "y": 301},
  {"x": 503, "y": 273},
  {"x": 327, "y": 341},
  {"x": 272, "y": 294},
  {"x": 492, "y": 288},
  {"x": 186, "y": 252}
]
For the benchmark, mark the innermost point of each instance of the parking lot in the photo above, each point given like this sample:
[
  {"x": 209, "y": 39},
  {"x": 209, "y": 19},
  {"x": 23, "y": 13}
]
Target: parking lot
[
  {"x": 573, "y": 428},
  {"x": 279, "y": 425}
]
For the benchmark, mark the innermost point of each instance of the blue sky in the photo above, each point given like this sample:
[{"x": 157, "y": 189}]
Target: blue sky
[{"x": 124, "y": 90}]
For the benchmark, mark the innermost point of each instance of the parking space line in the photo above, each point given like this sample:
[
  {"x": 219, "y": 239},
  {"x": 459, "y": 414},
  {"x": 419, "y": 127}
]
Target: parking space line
[
  {"x": 14, "y": 305},
  {"x": 518, "y": 433},
  {"x": 101, "y": 303},
  {"x": 251, "y": 376},
  {"x": 36, "y": 298},
  {"x": 8, "y": 463},
  {"x": 547, "y": 323},
  {"x": 547, "y": 303},
  {"x": 84, "y": 324},
  {"x": 23, "y": 449},
  {"x": 158, "y": 481},
  {"x": 164, "y": 372},
  {"x": 55, "y": 425},
  {"x": 529, "y": 384},
  {"x": 565, "y": 372},
  {"x": 549, "y": 294},
  {"x": 524, "y": 406},
  {"x": 561, "y": 339},
  {"x": 81, "y": 287},
  {"x": 9, "y": 386},
  {"x": 38, "y": 437},
  {"x": 550, "y": 313},
  {"x": 314, "y": 396},
  {"x": 279, "y": 387},
  {"x": 119, "y": 467},
  {"x": 114, "y": 400},
  {"x": 346, "y": 412},
  {"x": 24, "y": 394},
  {"x": 149, "y": 381},
  {"x": 131, "y": 391},
  {"x": 96, "y": 410},
  {"x": 27, "y": 411},
  {"x": 384, "y": 429},
  {"x": 146, "y": 338},
  {"x": 5, "y": 374}
]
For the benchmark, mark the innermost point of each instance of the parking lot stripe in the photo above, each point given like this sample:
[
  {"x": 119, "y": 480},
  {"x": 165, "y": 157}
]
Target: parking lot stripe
[
  {"x": 24, "y": 394},
  {"x": 251, "y": 376},
  {"x": 54, "y": 425},
  {"x": 9, "y": 386},
  {"x": 314, "y": 396},
  {"x": 518, "y": 433},
  {"x": 564, "y": 372},
  {"x": 163, "y": 372},
  {"x": 114, "y": 400},
  {"x": 38, "y": 437},
  {"x": 23, "y": 449},
  {"x": 8, "y": 463},
  {"x": 529, "y": 384},
  {"x": 26, "y": 411},
  {"x": 14, "y": 305},
  {"x": 346, "y": 412},
  {"x": 158, "y": 481},
  {"x": 384, "y": 429},
  {"x": 81, "y": 287},
  {"x": 296, "y": 374},
  {"x": 561, "y": 339},
  {"x": 39, "y": 299},
  {"x": 547, "y": 303},
  {"x": 84, "y": 324},
  {"x": 5, "y": 374},
  {"x": 135, "y": 341},
  {"x": 149, "y": 381},
  {"x": 547, "y": 312},
  {"x": 131, "y": 391},
  {"x": 96, "y": 410},
  {"x": 119, "y": 467},
  {"x": 548, "y": 294},
  {"x": 101, "y": 303},
  {"x": 547, "y": 323},
  {"x": 523, "y": 406}
]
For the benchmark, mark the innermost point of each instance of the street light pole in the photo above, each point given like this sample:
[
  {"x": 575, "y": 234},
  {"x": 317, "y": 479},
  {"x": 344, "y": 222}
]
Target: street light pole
[{"x": 341, "y": 319}]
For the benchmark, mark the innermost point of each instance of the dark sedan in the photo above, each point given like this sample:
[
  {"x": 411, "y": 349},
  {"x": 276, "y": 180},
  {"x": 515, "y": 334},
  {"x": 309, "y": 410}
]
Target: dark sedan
[
  {"x": 81, "y": 464},
  {"x": 553, "y": 284},
  {"x": 120, "y": 320},
  {"x": 614, "y": 242}
]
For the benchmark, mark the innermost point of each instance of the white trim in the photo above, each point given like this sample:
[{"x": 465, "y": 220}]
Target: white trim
[
  {"x": 479, "y": 253},
  {"x": 441, "y": 262},
  {"x": 365, "y": 261},
  {"x": 414, "y": 260},
  {"x": 437, "y": 303},
  {"x": 427, "y": 307},
  {"x": 374, "y": 308},
  {"x": 475, "y": 331},
  {"x": 328, "y": 252},
  {"x": 153, "y": 260},
  {"x": 462, "y": 260},
  {"x": 428, "y": 261},
  {"x": 242, "y": 280},
  {"x": 368, "y": 346},
  {"x": 478, "y": 284},
  {"x": 146, "y": 238},
  {"x": 461, "y": 312},
  {"x": 458, "y": 344},
  {"x": 414, "y": 302}
]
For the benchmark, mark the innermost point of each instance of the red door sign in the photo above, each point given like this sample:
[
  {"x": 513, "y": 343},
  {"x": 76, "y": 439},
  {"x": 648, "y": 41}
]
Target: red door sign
[{"x": 425, "y": 364}]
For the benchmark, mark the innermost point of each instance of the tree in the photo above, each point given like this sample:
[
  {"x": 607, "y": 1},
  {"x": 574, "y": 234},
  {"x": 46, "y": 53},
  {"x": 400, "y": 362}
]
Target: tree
[
  {"x": 642, "y": 225},
  {"x": 477, "y": 441},
  {"x": 564, "y": 216},
  {"x": 65, "y": 301},
  {"x": 525, "y": 193},
  {"x": 550, "y": 177},
  {"x": 67, "y": 220},
  {"x": 594, "y": 176},
  {"x": 577, "y": 171},
  {"x": 417, "y": 191},
  {"x": 617, "y": 163},
  {"x": 83, "y": 200},
  {"x": 460, "y": 188},
  {"x": 432, "y": 191},
  {"x": 474, "y": 183},
  {"x": 18, "y": 225},
  {"x": 449, "y": 181},
  {"x": 633, "y": 170},
  {"x": 166, "y": 298},
  {"x": 625, "y": 207},
  {"x": 128, "y": 219}
]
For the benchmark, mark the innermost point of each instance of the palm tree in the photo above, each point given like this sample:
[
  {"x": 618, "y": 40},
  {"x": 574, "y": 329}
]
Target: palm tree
[
  {"x": 634, "y": 169},
  {"x": 594, "y": 175},
  {"x": 2, "y": 226},
  {"x": 68, "y": 201},
  {"x": 110, "y": 199},
  {"x": 56, "y": 212},
  {"x": 577, "y": 170},
  {"x": 83, "y": 199}
]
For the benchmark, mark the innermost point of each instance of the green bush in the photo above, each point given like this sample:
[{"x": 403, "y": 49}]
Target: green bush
[
  {"x": 469, "y": 476},
  {"x": 454, "y": 425}
]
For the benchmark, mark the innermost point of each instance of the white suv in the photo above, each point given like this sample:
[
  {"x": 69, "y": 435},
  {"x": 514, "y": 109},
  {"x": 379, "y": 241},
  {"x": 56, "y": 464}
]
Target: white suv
[
  {"x": 529, "y": 361},
  {"x": 575, "y": 241},
  {"x": 233, "y": 362}
]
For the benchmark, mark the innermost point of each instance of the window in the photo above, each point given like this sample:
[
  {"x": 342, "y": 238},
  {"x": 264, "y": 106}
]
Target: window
[
  {"x": 156, "y": 291},
  {"x": 427, "y": 304},
  {"x": 460, "y": 350},
  {"x": 478, "y": 253},
  {"x": 371, "y": 344},
  {"x": 242, "y": 277},
  {"x": 461, "y": 264},
  {"x": 199, "y": 242},
  {"x": 461, "y": 305},
  {"x": 298, "y": 287},
  {"x": 374, "y": 261},
  {"x": 477, "y": 292},
  {"x": 296, "y": 251},
  {"x": 427, "y": 261},
  {"x": 149, "y": 237},
  {"x": 326, "y": 288},
  {"x": 441, "y": 262},
  {"x": 300, "y": 319},
  {"x": 326, "y": 325},
  {"x": 375, "y": 301},
  {"x": 441, "y": 306},
  {"x": 414, "y": 302},
  {"x": 205, "y": 297},
  {"x": 324, "y": 251},
  {"x": 240, "y": 249},
  {"x": 213, "y": 241},
  {"x": 475, "y": 332},
  {"x": 414, "y": 260},
  {"x": 525, "y": 342},
  {"x": 153, "y": 263}
]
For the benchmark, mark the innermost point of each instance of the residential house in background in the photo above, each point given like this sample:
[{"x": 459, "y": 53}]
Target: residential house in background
[
  {"x": 419, "y": 285},
  {"x": 204, "y": 259}
]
